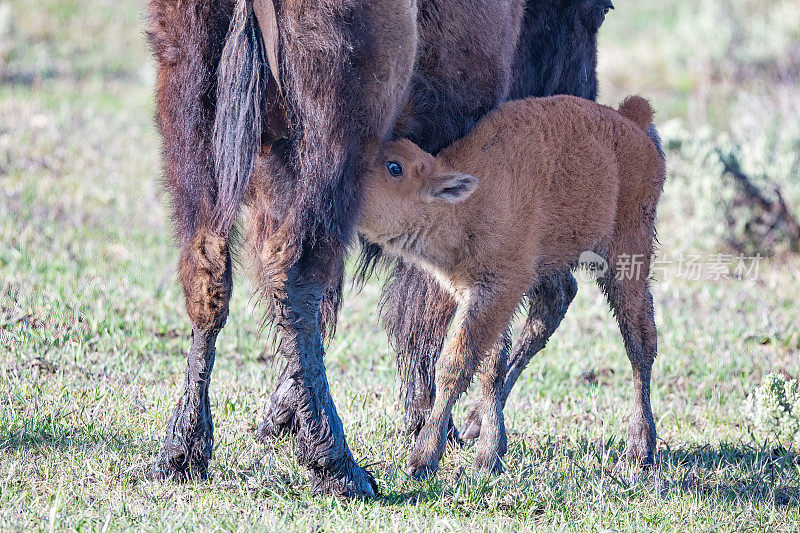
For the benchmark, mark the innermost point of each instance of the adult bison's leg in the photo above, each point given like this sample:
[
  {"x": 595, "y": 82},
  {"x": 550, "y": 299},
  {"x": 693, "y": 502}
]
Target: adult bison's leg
[
  {"x": 345, "y": 68},
  {"x": 417, "y": 313},
  {"x": 549, "y": 302},
  {"x": 320, "y": 439},
  {"x": 187, "y": 38}
]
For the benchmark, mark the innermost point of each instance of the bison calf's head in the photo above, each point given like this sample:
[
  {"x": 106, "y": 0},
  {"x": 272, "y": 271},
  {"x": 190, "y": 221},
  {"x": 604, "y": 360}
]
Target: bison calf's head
[{"x": 407, "y": 190}]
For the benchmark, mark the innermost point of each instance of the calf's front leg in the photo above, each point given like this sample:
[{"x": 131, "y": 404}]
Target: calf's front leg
[
  {"x": 493, "y": 443},
  {"x": 488, "y": 313},
  {"x": 549, "y": 302}
]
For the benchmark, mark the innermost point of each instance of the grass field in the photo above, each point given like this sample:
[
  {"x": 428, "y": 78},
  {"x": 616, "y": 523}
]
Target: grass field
[{"x": 92, "y": 331}]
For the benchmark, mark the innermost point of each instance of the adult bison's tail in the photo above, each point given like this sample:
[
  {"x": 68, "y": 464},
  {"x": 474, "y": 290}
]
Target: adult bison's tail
[
  {"x": 241, "y": 83},
  {"x": 638, "y": 110}
]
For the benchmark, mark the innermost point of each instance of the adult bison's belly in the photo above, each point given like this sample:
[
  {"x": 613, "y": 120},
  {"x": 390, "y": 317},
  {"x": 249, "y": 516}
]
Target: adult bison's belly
[{"x": 463, "y": 68}]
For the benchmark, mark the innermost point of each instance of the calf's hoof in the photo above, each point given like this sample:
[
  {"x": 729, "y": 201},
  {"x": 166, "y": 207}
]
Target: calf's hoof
[
  {"x": 489, "y": 463},
  {"x": 472, "y": 424},
  {"x": 421, "y": 471},
  {"x": 423, "y": 463}
]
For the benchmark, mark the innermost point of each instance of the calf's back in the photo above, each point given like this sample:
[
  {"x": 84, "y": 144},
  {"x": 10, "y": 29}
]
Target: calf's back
[{"x": 562, "y": 175}]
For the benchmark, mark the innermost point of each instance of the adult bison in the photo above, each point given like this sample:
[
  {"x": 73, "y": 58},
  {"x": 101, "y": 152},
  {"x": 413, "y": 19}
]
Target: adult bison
[{"x": 280, "y": 104}]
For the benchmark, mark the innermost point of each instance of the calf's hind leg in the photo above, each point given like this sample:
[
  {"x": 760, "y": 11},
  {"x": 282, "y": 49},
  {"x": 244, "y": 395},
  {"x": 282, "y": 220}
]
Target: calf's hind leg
[
  {"x": 493, "y": 442},
  {"x": 549, "y": 302},
  {"x": 632, "y": 303}
]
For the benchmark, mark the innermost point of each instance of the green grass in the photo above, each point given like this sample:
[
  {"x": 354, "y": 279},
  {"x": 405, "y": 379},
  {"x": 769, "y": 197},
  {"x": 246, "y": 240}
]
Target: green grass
[{"x": 92, "y": 332}]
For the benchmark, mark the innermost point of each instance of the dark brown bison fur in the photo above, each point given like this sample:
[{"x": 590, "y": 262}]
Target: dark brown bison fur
[
  {"x": 185, "y": 36},
  {"x": 538, "y": 183},
  {"x": 557, "y": 51}
]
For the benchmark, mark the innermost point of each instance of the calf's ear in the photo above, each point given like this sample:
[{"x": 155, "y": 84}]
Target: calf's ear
[{"x": 454, "y": 188}]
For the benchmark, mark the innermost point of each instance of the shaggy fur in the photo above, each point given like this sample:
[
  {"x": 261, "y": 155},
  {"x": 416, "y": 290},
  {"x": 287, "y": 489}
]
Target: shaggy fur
[
  {"x": 558, "y": 176},
  {"x": 186, "y": 37},
  {"x": 557, "y": 51}
]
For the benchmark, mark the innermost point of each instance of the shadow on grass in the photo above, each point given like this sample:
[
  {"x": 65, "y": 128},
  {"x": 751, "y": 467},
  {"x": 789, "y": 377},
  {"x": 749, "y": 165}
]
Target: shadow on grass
[
  {"x": 735, "y": 472},
  {"x": 537, "y": 474},
  {"x": 45, "y": 434},
  {"x": 724, "y": 472}
]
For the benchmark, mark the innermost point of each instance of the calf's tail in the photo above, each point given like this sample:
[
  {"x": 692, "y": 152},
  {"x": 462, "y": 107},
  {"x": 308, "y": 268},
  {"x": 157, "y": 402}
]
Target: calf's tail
[{"x": 639, "y": 111}]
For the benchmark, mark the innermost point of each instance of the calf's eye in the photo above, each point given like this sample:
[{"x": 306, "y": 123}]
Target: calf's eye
[{"x": 394, "y": 168}]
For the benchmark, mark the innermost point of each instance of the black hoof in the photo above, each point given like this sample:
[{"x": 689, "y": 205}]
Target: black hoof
[
  {"x": 453, "y": 436},
  {"x": 349, "y": 481},
  {"x": 188, "y": 445},
  {"x": 279, "y": 418},
  {"x": 181, "y": 464},
  {"x": 275, "y": 425}
]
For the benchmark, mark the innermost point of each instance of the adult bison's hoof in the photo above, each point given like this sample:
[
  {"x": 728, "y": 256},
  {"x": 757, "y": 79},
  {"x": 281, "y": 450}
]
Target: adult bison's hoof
[
  {"x": 276, "y": 423},
  {"x": 188, "y": 445},
  {"x": 641, "y": 442},
  {"x": 181, "y": 461},
  {"x": 472, "y": 424},
  {"x": 279, "y": 418},
  {"x": 179, "y": 467},
  {"x": 349, "y": 481}
]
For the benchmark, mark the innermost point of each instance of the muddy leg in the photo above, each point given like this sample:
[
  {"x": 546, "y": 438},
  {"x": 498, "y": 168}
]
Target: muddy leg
[
  {"x": 549, "y": 302},
  {"x": 187, "y": 37},
  {"x": 279, "y": 416},
  {"x": 320, "y": 440},
  {"x": 493, "y": 443},
  {"x": 206, "y": 275},
  {"x": 632, "y": 303}
]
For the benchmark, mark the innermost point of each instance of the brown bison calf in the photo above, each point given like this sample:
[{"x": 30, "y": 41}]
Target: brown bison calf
[{"x": 536, "y": 184}]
